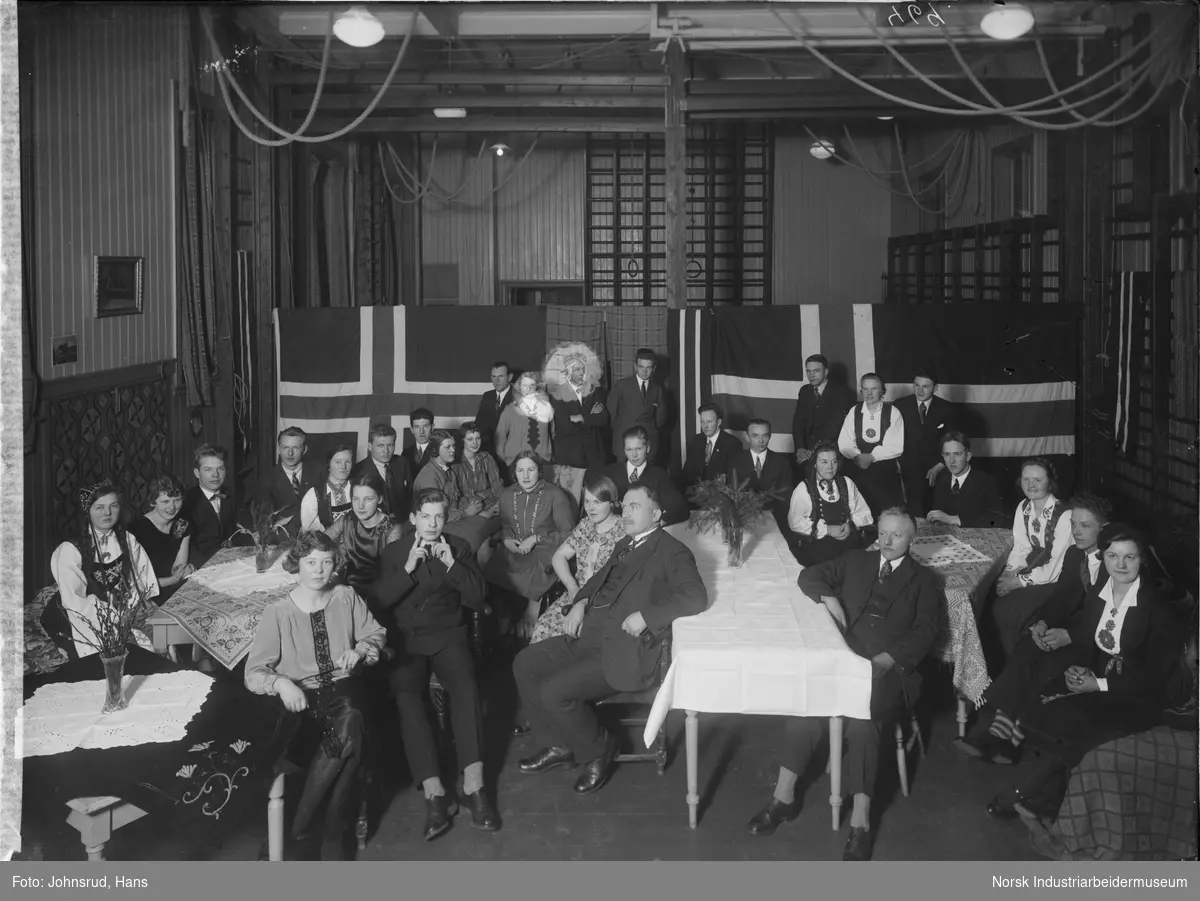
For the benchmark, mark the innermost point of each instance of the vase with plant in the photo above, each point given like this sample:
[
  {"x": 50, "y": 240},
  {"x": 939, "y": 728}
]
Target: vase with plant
[
  {"x": 118, "y": 611},
  {"x": 731, "y": 506},
  {"x": 268, "y": 529}
]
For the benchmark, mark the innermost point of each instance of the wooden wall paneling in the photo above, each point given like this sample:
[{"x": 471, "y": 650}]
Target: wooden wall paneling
[
  {"x": 220, "y": 428},
  {"x": 264, "y": 246},
  {"x": 676, "y": 177}
]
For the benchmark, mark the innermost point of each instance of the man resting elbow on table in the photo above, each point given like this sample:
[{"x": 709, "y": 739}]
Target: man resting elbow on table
[{"x": 886, "y": 605}]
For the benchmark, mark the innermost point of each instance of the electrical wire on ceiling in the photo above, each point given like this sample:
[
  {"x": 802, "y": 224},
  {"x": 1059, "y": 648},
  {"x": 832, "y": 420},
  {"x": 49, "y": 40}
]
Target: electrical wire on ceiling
[
  {"x": 225, "y": 79},
  {"x": 980, "y": 110},
  {"x": 412, "y": 183}
]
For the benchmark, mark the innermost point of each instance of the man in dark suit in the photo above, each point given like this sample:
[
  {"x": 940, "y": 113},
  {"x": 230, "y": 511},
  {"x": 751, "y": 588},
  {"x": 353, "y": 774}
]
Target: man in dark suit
[
  {"x": 288, "y": 481},
  {"x": 580, "y": 417},
  {"x": 493, "y": 402},
  {"x": 766, "y": 470},
  {"x": 637, "y": 470},
  {"x": 710, "y": 452},
  {"x": 393, "y": 469},
  {"x": 821, "y": 408},
  {"x": 419, "y": 452},
  {"x": 926, "y": 418},
  {"x": 1032, "y": 662},
  {"x": 638, "y": 400},
  {"x": 886, "y": 605},
  {"x": 963, "y": 496},
  {"x": 208, "y": 506},
  {"x": 612, "y": 642},
  {"x": 425, "y": 579}
]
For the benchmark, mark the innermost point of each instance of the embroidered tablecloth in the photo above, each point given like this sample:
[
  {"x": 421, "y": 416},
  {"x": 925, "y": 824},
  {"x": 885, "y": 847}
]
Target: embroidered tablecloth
[
  {"x": 965, "y": 582},
  {"x": 204, "y": 779},
  {"x": 62, "y": 716},
  {"x": 221, "y": 604},
  {"x": 762, "y": 647}
]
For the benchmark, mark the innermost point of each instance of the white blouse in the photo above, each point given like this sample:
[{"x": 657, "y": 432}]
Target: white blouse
[
  {"x": 801, "y": 510},
  {"x": 893, "y": 441},
  {"x": 1023, "y": 540},
  {"x": 310, "y": 514},
  {"x": 1117, "y": 618},
  {"x": 66, "y": 565}
]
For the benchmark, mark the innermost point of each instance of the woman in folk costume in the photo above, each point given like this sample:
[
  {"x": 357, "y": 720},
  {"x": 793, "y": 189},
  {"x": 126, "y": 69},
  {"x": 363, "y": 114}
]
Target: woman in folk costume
[
  {"x": 1108, "y": 674},
  {"x": 827, "y": 511},
  {"x": 535, "y": 517},
  {"x": 329, "y": 500},
  {"x": 872, "y": 438},
  {"x": 1041, "y": 536},
  {"x": 102, "y": 565},
  {"x": 525, "y": 424}
]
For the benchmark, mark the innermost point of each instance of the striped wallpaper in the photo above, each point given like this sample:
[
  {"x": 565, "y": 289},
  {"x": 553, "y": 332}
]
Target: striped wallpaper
[{"x": 102, "y": 105}]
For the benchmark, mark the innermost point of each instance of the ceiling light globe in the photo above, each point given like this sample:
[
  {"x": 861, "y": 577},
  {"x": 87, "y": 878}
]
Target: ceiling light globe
[
  {"x": 1007, "y": 22},
  {"x": 358, "y": 28}
]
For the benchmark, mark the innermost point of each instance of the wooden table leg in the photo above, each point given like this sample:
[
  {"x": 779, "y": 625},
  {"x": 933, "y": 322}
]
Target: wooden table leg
[
  {"x": 692, "y": 752},
  {"x": 275, "y": 819},
  {"x": 835, "y": 770},
  {"x": 962, "y": 717}
]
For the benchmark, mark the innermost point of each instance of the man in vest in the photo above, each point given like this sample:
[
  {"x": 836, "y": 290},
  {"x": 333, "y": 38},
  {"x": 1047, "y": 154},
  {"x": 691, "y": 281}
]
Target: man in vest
[{"x": 872, "y": 439}]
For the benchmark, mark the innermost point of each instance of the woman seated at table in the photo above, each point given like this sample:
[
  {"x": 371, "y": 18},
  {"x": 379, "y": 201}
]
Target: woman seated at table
[
  {"x": 363, "y": 535},
  {"x": 834, "y": 523},
  {"x": 525, "y": 424},
  {"x": 306, "y": 651},
  {"x": 329, "y": 501},
  {"x": 104, "y": 564},
  {"x": 1106, "y": 677},
  {"x": 467, "y": 517},
  {"x": 1041, "y": 536},
  {"x": 165, "y": 536},
  {"x": 535, "y": 517}
]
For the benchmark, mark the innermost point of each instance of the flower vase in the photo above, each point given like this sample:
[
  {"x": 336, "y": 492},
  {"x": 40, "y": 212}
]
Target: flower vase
[
  {"x": 114, "y": 684},
  {"x": 262, "y": 558},
  {"x": 733, "y": 538}
]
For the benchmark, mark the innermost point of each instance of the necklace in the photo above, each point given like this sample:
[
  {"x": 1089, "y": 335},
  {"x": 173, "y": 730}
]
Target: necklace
[{"x": 521, "y": 531}]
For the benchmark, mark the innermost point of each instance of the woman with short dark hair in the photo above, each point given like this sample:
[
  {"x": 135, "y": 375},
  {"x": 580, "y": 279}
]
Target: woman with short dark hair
[
  {"x": 165, "y": 536},
  {"x": 363, "y": 535}
]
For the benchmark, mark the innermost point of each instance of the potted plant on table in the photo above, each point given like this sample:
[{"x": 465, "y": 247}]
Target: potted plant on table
[
  {"x": 269, "y": 529},
  {"x": 118, "y": 611},
  {"x": 731, "y": 506}
]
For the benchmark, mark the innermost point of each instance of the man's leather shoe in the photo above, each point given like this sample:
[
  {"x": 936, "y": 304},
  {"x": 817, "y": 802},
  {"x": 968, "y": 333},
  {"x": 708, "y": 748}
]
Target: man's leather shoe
[
  {"x": 547, "y": 759},
  {"x": 1000, "y": 809},
  {"x": 521, "y": 729},
  {"x": 438, "y": 812},
  {"x": 767, "y": 820},
  {"x": 859, "y": 845},
  {"x": 483, "y": 814},
  {"x": 596, "y": 772}
]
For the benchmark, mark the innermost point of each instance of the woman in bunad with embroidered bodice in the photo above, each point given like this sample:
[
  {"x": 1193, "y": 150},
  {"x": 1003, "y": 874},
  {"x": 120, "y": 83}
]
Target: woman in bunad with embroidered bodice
[
  {"x": 102, "y": 565},
  {"x": 329, "y": 500},
  {"x": 827, "y": 511},
  {"x": 1041, "y": 536}
]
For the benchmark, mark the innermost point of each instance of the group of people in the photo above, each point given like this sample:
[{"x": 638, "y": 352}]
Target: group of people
[{"x": 522, "y": 503}]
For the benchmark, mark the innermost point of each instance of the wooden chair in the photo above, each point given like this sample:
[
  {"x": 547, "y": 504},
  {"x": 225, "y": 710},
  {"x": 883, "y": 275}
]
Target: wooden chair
[
  {"x": 904, "y": 746},
  {"x": 437, "y": 692},
  {"x": 645, "y": 699}
]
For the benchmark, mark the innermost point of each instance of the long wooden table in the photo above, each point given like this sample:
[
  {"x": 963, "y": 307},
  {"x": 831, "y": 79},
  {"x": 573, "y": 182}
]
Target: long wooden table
[{"x": 762, "y": 647}]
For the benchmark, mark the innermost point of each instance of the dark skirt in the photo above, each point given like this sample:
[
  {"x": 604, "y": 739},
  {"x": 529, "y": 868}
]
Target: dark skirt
[
  {"x": 1013, "y": 614},
  {"x": 879, "y": 484}
]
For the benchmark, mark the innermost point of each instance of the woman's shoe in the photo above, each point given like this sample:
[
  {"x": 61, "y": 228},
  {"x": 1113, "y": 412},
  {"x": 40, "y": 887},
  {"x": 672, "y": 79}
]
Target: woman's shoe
[{"x": 1000, "y": 809}]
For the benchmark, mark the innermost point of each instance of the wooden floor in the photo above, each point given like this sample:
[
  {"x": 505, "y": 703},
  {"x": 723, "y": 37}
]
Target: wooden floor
[{"x": 642, "y": 816}]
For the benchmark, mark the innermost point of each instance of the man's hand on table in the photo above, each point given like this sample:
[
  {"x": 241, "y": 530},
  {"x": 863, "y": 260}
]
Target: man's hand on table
[
  {"x": 834, "y": 606},
  {"x": 939, "y": 516},
  {"x": 291, "y": 695}
]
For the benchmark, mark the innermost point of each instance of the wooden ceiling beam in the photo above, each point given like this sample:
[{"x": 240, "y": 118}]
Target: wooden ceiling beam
[
  {"x": 494, "y": 124},
  {"x": 375, "y": 78},
  {"x": 353, "y": 104}
]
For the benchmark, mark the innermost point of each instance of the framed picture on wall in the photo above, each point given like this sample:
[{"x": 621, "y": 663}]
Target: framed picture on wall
[{"x": 118, "y": 286}]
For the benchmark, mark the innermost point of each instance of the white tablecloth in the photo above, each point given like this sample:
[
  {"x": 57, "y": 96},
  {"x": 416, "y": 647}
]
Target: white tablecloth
[
  {"x": 762, "y": 647},
  {"x": 239, "y": 578},
  {"x": 63, "y": 716}
]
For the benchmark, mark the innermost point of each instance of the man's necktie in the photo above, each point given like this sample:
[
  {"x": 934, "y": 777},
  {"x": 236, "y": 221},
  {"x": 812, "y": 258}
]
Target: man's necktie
[
  {"x": 389, "y": 479},
  {"x": 758, "y": 466},
  {"x": 923, "y": 408},
  {"x": 296, "y": 483},
  {"x": 885, "y": 570},
  {"x": 1085, "y": 572},
  {"x": 645, "y": 386},
  {"x": 954, "y": 487},
  {"x": 633, "y": 476},
  {"x": 708, "y": 449},
  {"x": 216, "y": 503}
]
